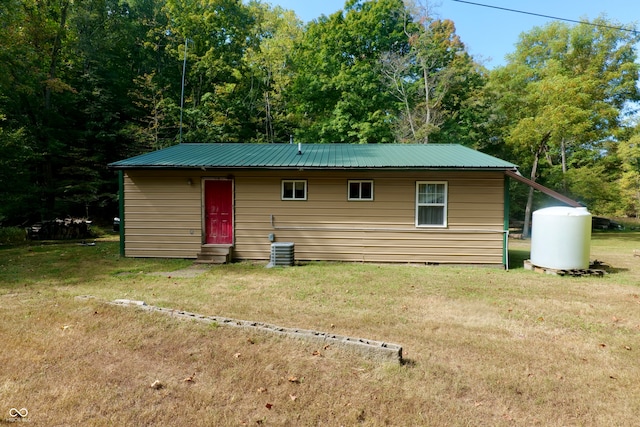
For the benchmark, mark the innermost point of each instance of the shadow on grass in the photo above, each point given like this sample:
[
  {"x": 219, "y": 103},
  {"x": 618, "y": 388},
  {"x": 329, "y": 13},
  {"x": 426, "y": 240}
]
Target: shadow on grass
[
  {"x": 608, "y": 269},
  {"x": 517, "y": 258},
  {"x": 617, "y": 235},
  {"x": 411, "y": 363},
  {"x": 71, "y": 262}
]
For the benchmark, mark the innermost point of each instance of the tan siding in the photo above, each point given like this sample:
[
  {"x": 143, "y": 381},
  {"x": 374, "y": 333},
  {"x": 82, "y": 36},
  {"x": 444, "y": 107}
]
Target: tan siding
[
  {"x": 328, "y": 227},
  {"x": 162, "y": 215},
  {"x": 160, "y": 205},
  {"x": 162, "y": 218}
]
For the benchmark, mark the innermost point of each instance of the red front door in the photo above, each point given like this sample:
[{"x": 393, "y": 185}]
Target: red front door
[{"x": 218, "y": 211}]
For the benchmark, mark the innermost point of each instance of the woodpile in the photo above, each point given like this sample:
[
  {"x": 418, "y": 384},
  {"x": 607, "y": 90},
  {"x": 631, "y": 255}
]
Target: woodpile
[{"x": 60, "y": 229}]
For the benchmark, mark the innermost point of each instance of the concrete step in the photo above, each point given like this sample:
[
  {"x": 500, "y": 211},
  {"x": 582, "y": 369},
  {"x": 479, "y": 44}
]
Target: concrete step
[
  {"x": 215, "y": 254},
  {"x": 212, "y": 259}
]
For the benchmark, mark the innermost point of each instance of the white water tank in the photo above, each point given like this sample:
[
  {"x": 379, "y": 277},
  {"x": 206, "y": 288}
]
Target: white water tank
[{"x": 561, "y": 238}]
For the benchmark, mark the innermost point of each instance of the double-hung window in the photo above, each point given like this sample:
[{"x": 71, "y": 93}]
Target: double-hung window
[
  {"x": 431, "y": 204},
  {"x": 294, "y": 189},
  {"x": 360, "y": 190}
]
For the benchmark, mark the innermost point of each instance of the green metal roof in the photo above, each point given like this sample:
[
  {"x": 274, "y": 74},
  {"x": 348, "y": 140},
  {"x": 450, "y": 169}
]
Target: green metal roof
[{"x": 314, "y": 156}]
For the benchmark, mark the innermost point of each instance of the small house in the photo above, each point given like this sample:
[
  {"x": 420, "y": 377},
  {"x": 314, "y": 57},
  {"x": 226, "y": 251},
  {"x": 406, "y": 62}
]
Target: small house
[{"x": 427, "y": 203}]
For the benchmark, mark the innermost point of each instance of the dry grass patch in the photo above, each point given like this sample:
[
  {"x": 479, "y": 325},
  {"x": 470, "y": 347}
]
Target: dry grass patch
[
  {"x": 483, "y": 347},
  {"x": 87, "y": 363}
]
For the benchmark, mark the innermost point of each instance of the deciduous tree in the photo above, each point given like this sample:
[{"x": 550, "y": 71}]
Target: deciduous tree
[
  {"x": 337, "y": 93},
  {"x": 570, "y": 83},
  {"x": 270, "y": 73}
]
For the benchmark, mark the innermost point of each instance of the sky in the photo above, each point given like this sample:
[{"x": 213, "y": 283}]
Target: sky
[{"x": 490, "y": 33}]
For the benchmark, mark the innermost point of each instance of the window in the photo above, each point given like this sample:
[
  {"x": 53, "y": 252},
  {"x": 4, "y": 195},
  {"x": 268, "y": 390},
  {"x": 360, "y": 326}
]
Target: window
[
  {"x": 360, "y": 190},
  {"x": 431, "y": 204},
  {"x": 294, "y": 190}
]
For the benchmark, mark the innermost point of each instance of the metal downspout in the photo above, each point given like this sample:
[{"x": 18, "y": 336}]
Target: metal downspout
[{"x": 505, "y": 245}]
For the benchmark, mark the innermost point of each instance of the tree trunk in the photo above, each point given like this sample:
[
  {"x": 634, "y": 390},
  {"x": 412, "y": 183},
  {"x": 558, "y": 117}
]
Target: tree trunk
[
  {"x": 395, "y": 69},
  {"x": 268, "y": 119},
  {"x": 426, "y": 101},
  {"x": 534, "y": 172},
  {"x": 55, "y": 51},
  {"x": 563, "y": 152},
  {"x": 410, "y": 118},
  {"x": 527, "y": 209},
  {"x": 48, "y": 193}
]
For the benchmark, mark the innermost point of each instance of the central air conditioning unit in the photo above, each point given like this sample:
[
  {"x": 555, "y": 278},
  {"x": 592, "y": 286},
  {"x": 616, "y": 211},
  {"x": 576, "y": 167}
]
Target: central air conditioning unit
[{"x": 282, "y": 254}]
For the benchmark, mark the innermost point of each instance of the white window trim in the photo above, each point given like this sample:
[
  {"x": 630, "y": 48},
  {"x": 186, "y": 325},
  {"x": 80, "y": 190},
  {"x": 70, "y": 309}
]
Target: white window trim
[
  {"x": 445, "y": 204},
  {"x": 359, "y": 199},
  {"x": 294, "y": 181}
]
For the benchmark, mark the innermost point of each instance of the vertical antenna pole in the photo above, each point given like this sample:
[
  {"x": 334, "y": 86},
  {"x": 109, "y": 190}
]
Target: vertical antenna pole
[{"x": 184, "y": 67}]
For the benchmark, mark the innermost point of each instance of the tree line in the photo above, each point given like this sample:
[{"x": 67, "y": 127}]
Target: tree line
[{"x": 85, "y": 83}]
